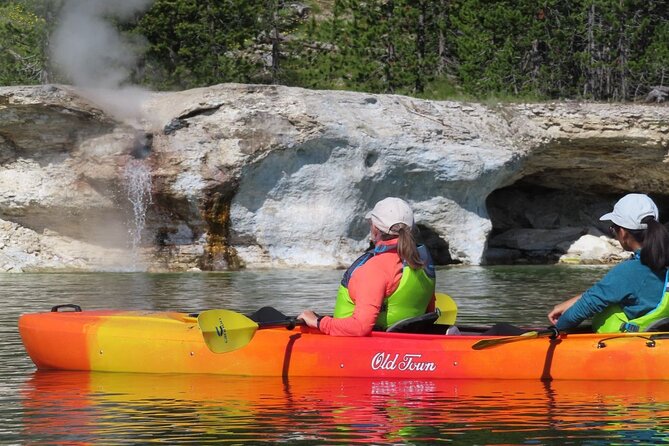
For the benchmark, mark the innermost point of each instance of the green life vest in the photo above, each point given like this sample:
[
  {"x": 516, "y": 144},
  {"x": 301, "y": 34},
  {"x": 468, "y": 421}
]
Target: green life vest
[
  {"x": 614, "y": 320},
  {"x": 411, "y": 298}
]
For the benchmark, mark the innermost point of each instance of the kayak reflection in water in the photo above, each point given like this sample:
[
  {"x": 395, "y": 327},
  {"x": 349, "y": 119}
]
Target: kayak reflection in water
[
  {"x": 633, "y": 295},
  {"x": 390, "y": 282}
]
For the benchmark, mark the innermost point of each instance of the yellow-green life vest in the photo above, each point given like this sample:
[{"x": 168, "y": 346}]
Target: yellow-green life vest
[
  {"x": 614, "y": 320},
  {"x": 411, "y": 298}
]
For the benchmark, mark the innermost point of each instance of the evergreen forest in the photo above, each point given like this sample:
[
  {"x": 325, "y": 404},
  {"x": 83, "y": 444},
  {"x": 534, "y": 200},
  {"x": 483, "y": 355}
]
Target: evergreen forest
[{"x": 602, "y": 50}]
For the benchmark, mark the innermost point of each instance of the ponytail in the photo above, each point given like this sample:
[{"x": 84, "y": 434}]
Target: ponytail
[
  {"x": 655, "y": 242},
  {"x": 406, "y": 246}
]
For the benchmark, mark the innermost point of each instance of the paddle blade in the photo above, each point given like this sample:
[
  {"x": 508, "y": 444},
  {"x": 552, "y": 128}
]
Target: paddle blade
[
  {"x": 448, "y": 308},
  {"x": 224, "y": 330}
]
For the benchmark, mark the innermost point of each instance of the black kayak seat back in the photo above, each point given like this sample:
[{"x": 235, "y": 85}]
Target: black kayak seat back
[
  {"x": 659, "y": 325},
  {"x": 267, "y": 315},
  {"x": 418, "y": 324}
]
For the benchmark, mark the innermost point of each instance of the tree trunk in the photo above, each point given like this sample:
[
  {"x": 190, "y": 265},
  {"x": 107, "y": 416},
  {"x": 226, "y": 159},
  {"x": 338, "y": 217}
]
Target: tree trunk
[
  {"x": 589, "y": 86},
  {"x": 419, "y": 84}
]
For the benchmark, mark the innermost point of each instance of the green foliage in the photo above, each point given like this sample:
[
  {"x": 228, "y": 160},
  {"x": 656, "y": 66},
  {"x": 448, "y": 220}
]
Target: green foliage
[
  {"x": 21, "y": 55},
  {"x": 518, "y": 48},
  {"x": 485, "y": 49},
  {"x": 594, "y": 49},
  {"x": 389, "y": 46},
  {"x": 194, "y": 43},
  {"x": 441, "y": 88},
  {"x": 652, "y": 67}
]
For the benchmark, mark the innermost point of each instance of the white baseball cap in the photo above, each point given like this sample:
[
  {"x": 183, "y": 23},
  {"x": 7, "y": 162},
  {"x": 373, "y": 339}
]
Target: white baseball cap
[
  {"x": 630, "y": 210},
  {"x": 389, "y": 212}
]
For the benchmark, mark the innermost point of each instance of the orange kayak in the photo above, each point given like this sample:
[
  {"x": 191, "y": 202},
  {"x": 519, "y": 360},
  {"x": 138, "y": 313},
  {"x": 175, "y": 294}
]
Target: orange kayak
[{"x": 171, "y": 342}]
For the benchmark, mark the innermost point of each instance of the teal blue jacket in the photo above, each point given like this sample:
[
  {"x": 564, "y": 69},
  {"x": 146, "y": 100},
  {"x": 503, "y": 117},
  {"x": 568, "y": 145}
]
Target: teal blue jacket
[{"x": 632, "y": 285}]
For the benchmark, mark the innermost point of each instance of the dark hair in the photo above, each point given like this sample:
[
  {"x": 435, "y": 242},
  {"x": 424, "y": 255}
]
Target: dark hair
[
  {"x": 655, "y": 242},
  {"x": 406, "y": 245}
]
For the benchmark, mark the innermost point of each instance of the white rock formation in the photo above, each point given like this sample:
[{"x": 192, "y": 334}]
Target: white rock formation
[
  {"x": 271, "y": 176},
  {"x": 592, "y": 249}
]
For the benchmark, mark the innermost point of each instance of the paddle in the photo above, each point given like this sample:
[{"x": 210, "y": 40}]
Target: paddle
[
  {"x": 224, "y": 330},
  {"x": 448, "y": 308},
  {"x": 551, "y": 333}
]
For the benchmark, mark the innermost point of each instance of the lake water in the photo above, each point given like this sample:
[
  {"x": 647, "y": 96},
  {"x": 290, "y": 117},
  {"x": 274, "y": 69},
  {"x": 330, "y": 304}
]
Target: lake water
[{"x": 109, "y": 408}]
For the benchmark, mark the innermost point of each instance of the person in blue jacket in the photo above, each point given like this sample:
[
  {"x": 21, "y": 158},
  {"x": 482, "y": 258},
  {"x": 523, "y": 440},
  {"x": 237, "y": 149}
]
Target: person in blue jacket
[{"x": 632, "y": 295}]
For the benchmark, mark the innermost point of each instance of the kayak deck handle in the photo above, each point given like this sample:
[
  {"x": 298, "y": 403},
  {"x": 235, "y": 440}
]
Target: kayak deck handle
[
  {"x": 73, "y": 307},
  {"x": 650, "y": 340}
]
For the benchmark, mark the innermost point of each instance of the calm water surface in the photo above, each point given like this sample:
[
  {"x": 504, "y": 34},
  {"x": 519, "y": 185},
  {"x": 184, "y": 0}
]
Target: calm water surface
[{"x": 116, "y": 408}]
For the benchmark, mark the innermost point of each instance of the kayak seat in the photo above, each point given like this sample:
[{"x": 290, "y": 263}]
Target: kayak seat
[
  {"x": 659, "y": 325},
  {"x": 418, "y": 324},
  {"x": 267, "y": 315}
]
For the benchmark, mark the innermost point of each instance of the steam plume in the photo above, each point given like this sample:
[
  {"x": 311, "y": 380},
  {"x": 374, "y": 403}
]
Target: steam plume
[{"x": 88, "y": 49}]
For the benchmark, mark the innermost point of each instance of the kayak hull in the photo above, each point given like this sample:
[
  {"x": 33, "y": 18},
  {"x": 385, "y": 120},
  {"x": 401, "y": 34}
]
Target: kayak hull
[{"x": 171, "y": 342}]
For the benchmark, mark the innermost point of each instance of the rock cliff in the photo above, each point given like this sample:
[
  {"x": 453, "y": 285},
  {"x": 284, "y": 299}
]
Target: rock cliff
[{"x": 246, "y": 175}]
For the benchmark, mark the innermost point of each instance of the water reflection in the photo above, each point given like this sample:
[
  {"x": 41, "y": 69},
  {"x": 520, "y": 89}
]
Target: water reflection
[{"x": 74, "y": 407}]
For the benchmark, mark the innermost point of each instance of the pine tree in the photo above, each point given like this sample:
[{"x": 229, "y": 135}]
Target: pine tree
[
  {"x": 22, "y": 53},
  {"x": 193, "y": 43}
]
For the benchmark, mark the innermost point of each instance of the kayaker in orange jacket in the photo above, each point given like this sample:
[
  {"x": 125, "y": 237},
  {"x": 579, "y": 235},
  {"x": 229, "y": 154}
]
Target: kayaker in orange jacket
[
  {"x": 632, "y": 295},
  {"x": 393, "y": 281}
]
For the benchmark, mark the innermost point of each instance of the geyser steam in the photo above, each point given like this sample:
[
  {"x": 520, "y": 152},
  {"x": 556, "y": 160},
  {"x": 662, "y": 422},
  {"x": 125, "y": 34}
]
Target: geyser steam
[{"x": 89, "y": 50}]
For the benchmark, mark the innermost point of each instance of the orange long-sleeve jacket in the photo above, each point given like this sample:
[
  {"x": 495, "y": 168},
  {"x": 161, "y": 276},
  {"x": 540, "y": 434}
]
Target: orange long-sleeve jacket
[{"x": 368, "y": 286}]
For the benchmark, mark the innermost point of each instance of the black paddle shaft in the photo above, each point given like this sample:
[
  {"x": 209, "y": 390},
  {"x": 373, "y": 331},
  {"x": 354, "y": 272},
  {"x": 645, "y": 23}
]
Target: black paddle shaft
[
  {"x": 288, "y": 323},
  {"x": 551, "y": 333}
]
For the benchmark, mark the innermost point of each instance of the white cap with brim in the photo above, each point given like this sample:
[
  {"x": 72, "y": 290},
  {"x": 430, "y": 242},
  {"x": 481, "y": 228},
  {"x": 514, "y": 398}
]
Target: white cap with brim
[
  {"x": 389, "y": 212},
  {"x": 630, "y": 210}
]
